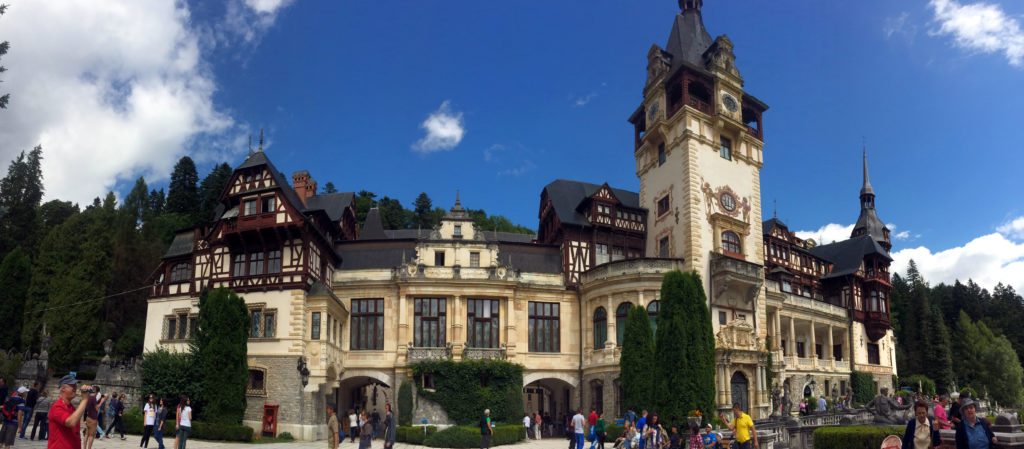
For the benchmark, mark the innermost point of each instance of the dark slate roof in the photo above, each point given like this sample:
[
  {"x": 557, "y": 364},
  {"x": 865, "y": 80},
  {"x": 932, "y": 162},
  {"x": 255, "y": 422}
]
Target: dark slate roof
[
  {"x": 688, "y": 41},
  {"x": 333, "y": 204},
  {"x": 768, "y": 225},
  {"x": 373, "y": 229},
  {"x": 566, "y": 196},
  {"x": 847, "y": 255},
  {"x": 407, "y": 233},
  {"x": 181, "y": 245},
  {"x": 376, "y": 254},
  {"x": 492, "y": 236},
  {"x": 531, "y": 258},
  {"x": 260, "y": 158}
]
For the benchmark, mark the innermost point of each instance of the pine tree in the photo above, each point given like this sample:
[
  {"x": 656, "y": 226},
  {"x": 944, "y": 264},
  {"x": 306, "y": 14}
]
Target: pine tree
[
  {"x": 135, "y": 208},
  {"x": 211, "y": 188},
  {"x": 221, "y": 352},
  {"x": 364, "y": 202},
  {"x": 4, "y": 46},
  {"x": 392, "y": 214},
  {"x": 54, "y": 212},
  {"x": 329, "y": 188},
  {"x": 636, "y": 364},
  {"x": 183, "y": 195},
  {"x": 15, "y": 279},
  {"x": 423, "y": 217},
  {"x": 21, "y": 192},
  {"x": 671, "y": 350}
]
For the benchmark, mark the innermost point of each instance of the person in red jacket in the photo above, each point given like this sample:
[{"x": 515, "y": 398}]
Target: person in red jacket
[{"x": 65, "y": 424}]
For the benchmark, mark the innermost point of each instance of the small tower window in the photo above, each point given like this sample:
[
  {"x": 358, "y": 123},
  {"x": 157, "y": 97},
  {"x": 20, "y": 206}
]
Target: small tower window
[
  {"x": 726, "y": 149},
  {"x": 731, "y": 243},
  {"x": 458, "y": 231},
  {"x": 439, "y": 258},
  {"x": 661, "y": 154}
]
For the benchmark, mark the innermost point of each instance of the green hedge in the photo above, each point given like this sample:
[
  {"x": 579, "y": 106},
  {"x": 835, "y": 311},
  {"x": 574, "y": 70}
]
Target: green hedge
[
  {"x": 469, "y": 436},
  {"x": 413, "y": 434},
  {"x": 464, "y": 389},
  {"x": 405, "y": 408},
  {"x": 854, "y": 437},
  {"x": 863, "y": 385},
  {"x": 133, "y": 424}
]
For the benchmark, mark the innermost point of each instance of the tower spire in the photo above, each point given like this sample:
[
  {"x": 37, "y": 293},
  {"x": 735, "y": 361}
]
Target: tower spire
[
  {"x": 261, "y": 140},
  {"x": 690, "y": 5},
  {"x": 866, "y": 189}
]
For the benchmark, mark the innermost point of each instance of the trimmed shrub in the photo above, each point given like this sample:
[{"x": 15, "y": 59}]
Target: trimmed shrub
[
  {"x": 469, "y": 436},
  {"x": 285, "y": 436},
  {"x": 405, "y": 404},
  {"x": 854, "y": 437},
  {"x": 413, "y": 434},
  {"x": 464, "y": 389},
  {"x": 133, "y": 424},
  {"x": 863, "y": 386}
]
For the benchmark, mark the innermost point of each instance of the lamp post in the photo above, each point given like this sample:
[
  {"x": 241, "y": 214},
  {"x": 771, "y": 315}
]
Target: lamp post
[{"x": 303, "y": 371}]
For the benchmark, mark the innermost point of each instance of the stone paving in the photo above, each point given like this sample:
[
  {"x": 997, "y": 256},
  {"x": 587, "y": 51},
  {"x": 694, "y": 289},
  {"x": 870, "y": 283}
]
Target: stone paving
[{"x": 133, "y": 442}]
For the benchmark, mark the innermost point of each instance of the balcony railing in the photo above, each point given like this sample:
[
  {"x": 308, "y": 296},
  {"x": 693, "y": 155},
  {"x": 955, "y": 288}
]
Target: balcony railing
[
  {"x": 699, "y": 105},
  {"x": 631, "y": 266},
  {"x": 421, "y": 354},
  {"x": 485, "y": 353}
]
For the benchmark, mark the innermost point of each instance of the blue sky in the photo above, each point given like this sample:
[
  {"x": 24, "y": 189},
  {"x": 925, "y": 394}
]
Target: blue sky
[{"x": 522, "y": 93}]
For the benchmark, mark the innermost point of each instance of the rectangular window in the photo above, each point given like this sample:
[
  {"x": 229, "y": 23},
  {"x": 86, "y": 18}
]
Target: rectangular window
[
  {"x": 239, "y": 268},
  {"x": 721, "y": 318},
  {"x": 255, "y": 264},
  {"x": 602, "y": 254},
  {"x": 800, "y": 349},
  {"x": 430, "y": 325},
  {"x": 726, "y": 149},
  {"x": 837, "y": 352},
  {"x": 458, "y": 231},
  {"x": 482, "y": 323},
  {"x": 268, "y": 204},
  {"x": 257, "y": 384},
  {"x": 663, "y": 205},
  {"x": 256, "y": 318},
  {"x": 818, "y": 352},
  {"x": 873, "y": 356},
  {"x": 787, "y": 287},
  {"x": 366, "y": 329},
  {"x": 249, "y": 207},
  {"x": 274, "y": 261},
  {"x": 181, "y": 272},
  {"x": 316, "y": 326},
  {"x": 330, "y": 328},
  {"x": 544, "y": 327},
  {"x": 269, "y": 324},
  {"x": 439, "y": 258},
  {"x": 474, "y": 259},
  {"x": 172, "y": 328},
  {"x": 785, "y": 349},
  {"x": 663, "y": 247},
  {"x": 661, "y": 154}
]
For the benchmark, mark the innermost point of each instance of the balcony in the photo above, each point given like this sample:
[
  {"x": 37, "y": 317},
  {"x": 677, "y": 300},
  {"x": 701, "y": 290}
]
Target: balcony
[
  {"x": 484, "y": 353},
  {"x": 735, "y": 283},
  {"x": 630, "y": 267},
  {"x": 423, "y": 354}
]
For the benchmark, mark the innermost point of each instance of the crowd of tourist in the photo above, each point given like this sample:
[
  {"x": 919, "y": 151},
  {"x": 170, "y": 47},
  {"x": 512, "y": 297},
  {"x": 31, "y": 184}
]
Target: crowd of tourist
[
  {"x": 362, "y": 425},
  {"x": 972, "y": 431}
]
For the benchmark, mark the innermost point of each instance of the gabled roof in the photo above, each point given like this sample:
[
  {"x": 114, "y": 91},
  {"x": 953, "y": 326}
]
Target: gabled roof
[
  {"x": 566, "y": 196},
  {"x": 768, "y": 225},
  {"x": 333, "y": 204},
  {"x": 258, "y": 158},
  {"x": 846, "y": 256},
  {"x": 181, "y": 245}
]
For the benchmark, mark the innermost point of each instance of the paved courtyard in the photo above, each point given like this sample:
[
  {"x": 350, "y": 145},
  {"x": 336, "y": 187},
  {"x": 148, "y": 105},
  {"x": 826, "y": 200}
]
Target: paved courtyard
[{"x": 133, "y": 442}]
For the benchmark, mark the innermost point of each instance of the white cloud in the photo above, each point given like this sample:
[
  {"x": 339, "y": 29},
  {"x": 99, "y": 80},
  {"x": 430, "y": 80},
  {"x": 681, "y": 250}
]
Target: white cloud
[
  {"x": 988, "y": 260},
  {"x": 898, "y": 25},
  {"x": 111, "y": 92},
  {"x": 1013, "y": 229},
  {"x": 444, "y": 128},
  {"x": 250, "y": 19},
  {"x": 525, "y": 167},
  {"x": 579, "y": 102},
  {"x": 981, "y": 27},
  {"x": 832, "y": 232},
  {"x": 492, "y": 151}
]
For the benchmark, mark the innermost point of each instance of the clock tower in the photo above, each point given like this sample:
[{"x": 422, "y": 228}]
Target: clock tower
[{"x": 699, "y": 151}]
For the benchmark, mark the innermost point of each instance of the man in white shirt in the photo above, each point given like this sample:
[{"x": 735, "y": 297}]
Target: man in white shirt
[
  {"x": 578, "y": 423},
  {"x": 527, "y": 423}
]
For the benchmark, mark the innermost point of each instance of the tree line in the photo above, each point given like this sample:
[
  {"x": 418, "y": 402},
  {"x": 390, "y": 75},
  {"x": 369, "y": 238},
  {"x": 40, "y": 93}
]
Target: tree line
[
  {"x": 960, "y": 335},
  {"x": 83, "y": 272},
  {"x": 424, "y": 215}
]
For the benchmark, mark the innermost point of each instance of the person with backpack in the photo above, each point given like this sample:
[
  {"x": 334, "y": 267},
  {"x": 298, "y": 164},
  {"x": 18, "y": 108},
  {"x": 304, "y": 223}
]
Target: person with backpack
[{"x": 12, "y": 416}]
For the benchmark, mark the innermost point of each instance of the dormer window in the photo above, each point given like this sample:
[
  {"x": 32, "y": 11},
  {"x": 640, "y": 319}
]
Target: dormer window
[
  {"x": 180, "y": 272},
  {"x": 603, "y": 209},
  {"x": 458, "y": 231}
]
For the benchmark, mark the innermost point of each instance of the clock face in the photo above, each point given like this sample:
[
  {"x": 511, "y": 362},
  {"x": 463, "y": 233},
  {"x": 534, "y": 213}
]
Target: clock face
[
  {"x": 728, "y": 202},
  {"x": 653, "y": 112},
  {"x": 730, "y": 102}
]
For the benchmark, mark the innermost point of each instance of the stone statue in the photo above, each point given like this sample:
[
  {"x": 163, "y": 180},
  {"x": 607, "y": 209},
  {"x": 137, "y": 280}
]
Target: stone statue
[
  {"x": 108, "y": 347},
  {"x": 787, "y": 405},
  {"x": 776, "y": 400},
  {"x": 835, "y": 393},
  {"x": 884, "y": 408}
]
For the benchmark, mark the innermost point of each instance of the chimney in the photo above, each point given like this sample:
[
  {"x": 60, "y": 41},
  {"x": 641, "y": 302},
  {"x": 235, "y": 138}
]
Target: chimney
[{"x": 304, "y": 185}]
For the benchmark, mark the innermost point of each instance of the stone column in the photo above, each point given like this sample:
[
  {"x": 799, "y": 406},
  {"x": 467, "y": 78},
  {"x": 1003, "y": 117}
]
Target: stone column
[
  {"x": 831, "y": 356},
  {"x": 814, "y": 344},
  {"x": 458, "y": 337},
  {"x": 512, "y": 316},
  {"x": 792, "y": 337},
  {"x": 613, "y": 337}
]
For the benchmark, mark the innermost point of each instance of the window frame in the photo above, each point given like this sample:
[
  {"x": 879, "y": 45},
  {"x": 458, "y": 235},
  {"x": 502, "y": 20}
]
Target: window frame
[
  {"x": 652, "y": 315},
  {"x": 483, "y": 332},
  {"x": 621, "y": 316},
  {"x": 181, "y": 272},
  {"x": 430, "y": 328},
  {"x": 544, "y": 328},
  {"x": 664, "y": 247},
  {"x": 439, "y": 257},
  {"x": 315, "y": 327},
  {"x": 664, "y": 205},
  {"x": 732, "y": 244},
  {"x": 662, "y": 155},
  {"x": 269, "y": 200},
  {"x": 249, "y": 207},
  {"x": 251, "y": 389},
  {"x": 474, "y": 259},
  {"x": 600, "y": 320},
  {"x": 366, "y": 324},
  {"x": 725, "y": 148}
]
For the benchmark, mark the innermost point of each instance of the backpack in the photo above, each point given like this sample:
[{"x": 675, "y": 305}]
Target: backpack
[{"x": 10, "y": 409}]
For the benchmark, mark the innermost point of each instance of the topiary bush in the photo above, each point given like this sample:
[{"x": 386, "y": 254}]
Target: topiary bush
[
  {"x": 464, "y": 389},
  {"x": 413, "y": 434},
  {"x": 405, "y": 404},
  {"x": 854, "y": 437},
  {"x": 469, "y": 436}
]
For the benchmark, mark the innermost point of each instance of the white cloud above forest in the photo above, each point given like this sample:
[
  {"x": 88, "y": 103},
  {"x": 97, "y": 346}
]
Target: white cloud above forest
[{"x": 444, "y": 130}]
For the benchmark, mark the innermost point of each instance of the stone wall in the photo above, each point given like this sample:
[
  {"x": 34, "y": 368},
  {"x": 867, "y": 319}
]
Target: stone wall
[{"x": 299, "y": 409}]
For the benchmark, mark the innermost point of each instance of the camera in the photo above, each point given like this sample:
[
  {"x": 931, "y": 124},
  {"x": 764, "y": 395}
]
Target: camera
[{"x": 88, "y": 390}]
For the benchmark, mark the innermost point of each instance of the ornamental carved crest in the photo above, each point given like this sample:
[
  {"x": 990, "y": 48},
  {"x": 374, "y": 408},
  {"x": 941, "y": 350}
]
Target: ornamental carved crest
[
  {"x": 725, "y": 201},
  {"x": 657, "y": 64}
]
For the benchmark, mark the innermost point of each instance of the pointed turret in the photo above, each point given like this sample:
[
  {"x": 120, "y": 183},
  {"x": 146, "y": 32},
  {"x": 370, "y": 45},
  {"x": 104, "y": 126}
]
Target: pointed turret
[
  {"x": 689, "y": 39},
  {"x": 868, "y": 223}
]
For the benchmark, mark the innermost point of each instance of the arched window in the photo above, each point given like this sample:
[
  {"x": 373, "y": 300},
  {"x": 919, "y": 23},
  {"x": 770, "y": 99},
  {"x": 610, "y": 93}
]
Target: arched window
[
  {"x": 600, "y": 327},
  {"x": 621, "y": 315},
  {"x": 181, "y": 272},
  {"x": 731, "y": 243},
  {"x": 652, "y": 314}
]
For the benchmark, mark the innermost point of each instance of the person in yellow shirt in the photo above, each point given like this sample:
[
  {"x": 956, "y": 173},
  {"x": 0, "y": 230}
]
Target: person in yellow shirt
[{"x": 742, "y": 428}]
